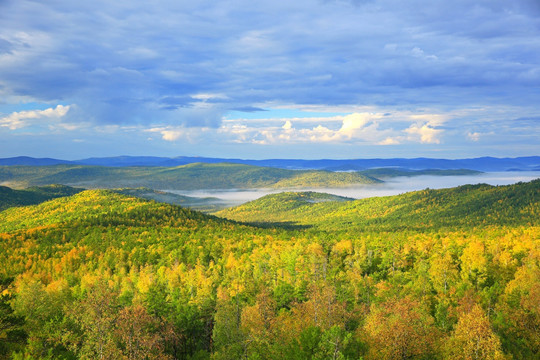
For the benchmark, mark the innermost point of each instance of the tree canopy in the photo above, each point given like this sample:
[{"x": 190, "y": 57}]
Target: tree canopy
[{"x": 435, "y": 274}]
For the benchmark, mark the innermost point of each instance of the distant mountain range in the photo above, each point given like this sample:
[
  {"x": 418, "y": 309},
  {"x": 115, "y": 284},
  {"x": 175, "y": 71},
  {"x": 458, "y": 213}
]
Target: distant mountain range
[
  {"x": 184, "y": 177},
  {"x": 530, "y": 163}
]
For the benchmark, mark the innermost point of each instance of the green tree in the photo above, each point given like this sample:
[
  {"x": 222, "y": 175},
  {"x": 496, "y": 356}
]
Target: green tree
[
  {"x": 96, "y": 315},
  {"x": 229, "y": 340}
]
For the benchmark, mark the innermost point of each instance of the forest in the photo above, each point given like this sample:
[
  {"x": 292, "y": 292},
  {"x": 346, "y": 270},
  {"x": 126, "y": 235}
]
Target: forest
[
  {"x": 186, "y": 177},
  {"x": 432, "y": 274}
]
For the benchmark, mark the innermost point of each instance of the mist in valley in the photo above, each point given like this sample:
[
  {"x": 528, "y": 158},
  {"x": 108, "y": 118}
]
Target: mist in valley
[{"x": 391, "y": 186}]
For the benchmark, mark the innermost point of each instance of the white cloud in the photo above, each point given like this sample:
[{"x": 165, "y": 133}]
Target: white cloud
[
  {"x": 68, "y": 126},
  {"x": 356, "y": 127},
  {"x": 319, "y": 134},
  {"x": 424, "y": 129},
  {"x": 287, "y": 125},
  {"x": 389, "y": 141},
  {"x": 174, "y": 133},
  {"x": 21, "y": 119},
  {"x": 431, "y": 119},
  {"x": 353, "y": 123},
  {"x": 473, "y": 136},
  {"x": 27, "y": 46},
  {"x": 209, "y": 96},
  {"x": 428, "y": 134},
  {"x": 367, "y": 128},
  {"x": 419, "y": 53},
  {"x": 168, "y": 134}
]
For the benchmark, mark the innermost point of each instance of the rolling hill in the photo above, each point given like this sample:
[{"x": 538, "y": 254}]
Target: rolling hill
[
  {"x": 33, "y": 195},
  {"x": 383, "y": 173},
  {"x": 530, "y": 163},
  {"x": 186, "y": 177},
  {"x": 469, "y": 205},
  {"x": 96, "y": 208},
  {"x": 206, "y": 204},
  {"x": 105, "y": 274}
]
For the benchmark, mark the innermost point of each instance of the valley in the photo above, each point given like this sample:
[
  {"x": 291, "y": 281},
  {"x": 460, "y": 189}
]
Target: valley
[
  {"x": 388, "y": 187},
  {"x": 296, "y": 275}
]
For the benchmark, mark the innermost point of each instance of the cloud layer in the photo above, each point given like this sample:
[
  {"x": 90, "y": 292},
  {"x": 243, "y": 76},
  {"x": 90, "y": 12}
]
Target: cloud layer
[
  {"x": 175, "y": 70},
  {"x": 22, "y": 119}
]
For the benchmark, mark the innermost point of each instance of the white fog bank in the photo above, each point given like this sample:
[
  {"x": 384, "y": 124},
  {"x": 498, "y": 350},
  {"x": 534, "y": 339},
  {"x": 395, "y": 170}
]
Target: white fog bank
[{"x": 391, "y": 186}]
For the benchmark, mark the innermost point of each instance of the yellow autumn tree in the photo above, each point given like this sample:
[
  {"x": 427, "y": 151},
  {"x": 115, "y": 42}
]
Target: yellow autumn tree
[
  {"x": 399, "y": 329},
  {"x": 520, "y": 305},
  {"x": 473, "y": 338},
  {"x": 257, "y": 322},
  {"x": 443, "y": 273},
  {"x": 474, "y": 263}
]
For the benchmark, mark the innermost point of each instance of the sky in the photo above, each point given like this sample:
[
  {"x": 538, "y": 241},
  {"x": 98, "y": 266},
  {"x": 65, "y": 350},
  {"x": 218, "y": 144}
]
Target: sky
[{"x": 270, "y": 79}]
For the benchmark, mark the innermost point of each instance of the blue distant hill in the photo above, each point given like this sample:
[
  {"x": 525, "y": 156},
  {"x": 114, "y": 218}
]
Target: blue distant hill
[
  {"x": 30, "y": 161},
  {"x": 530, "y": 163}
]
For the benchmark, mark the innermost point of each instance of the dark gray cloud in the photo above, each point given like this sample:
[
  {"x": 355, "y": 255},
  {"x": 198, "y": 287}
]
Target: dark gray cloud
[
  {"x": 307, "y": 52},
  {"x": 186, "y": 63}
]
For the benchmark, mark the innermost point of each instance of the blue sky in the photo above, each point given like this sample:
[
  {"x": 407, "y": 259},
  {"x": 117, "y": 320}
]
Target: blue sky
[{"x": 267, "y": 79}]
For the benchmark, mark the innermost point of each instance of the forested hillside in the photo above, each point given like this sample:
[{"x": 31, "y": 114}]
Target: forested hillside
[
  {"x": 206, "y": 204},
  {"x": 445, "y": 274},
  {"x": 186, "y": 177},
  {"x": 465, "y": 206},
  {"x": 382, "y": 173},
  {"x": 37, "y": 194},
  {"x": 33, "y": 195},
  {"x": 529, "y": 163}
]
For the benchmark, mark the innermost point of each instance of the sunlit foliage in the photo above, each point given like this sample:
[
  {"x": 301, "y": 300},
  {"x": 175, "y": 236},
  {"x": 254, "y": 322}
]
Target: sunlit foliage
[{"x": 446, "y": 274}]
